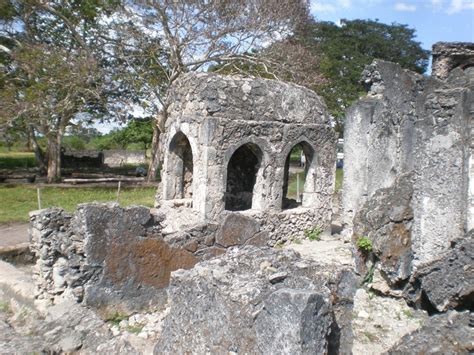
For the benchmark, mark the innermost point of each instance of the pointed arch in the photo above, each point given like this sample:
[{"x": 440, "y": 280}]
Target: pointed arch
[
  {"x": 298, "y": 177},
  {"x": 243, "y": 171},
  {"x": 180, "y": 167}
]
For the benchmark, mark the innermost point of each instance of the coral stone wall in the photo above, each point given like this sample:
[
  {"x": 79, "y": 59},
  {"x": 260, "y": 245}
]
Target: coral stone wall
[
  {"x": 221, "y": 117},
  {"x": 410, "y": 124}
]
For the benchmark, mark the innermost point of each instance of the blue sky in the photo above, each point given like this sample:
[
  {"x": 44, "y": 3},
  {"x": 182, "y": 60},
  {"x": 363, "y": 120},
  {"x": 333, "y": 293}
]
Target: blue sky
[{"x": 434, "y": 20}]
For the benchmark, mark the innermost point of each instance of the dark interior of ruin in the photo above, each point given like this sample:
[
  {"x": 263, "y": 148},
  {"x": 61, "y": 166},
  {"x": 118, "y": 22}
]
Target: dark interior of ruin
[{"x": 241, "y": 176}]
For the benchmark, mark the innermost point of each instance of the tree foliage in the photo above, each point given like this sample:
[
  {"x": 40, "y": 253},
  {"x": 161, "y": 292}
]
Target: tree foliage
[
  {"x": 345, "y": 50},
  {"x": 49, "y": 73},
  {"x": 137, "y": 131}
]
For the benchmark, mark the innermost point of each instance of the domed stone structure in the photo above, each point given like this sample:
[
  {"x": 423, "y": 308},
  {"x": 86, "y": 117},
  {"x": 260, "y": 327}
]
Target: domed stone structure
[{"x": 228, "y": 141}]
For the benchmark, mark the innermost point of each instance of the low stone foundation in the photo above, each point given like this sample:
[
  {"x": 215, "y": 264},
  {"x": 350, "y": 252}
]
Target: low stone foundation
[
  {"x": 286, "y": 225},
  {"x": 108, "y": 257},
  {"x": 120, "y": 259}
]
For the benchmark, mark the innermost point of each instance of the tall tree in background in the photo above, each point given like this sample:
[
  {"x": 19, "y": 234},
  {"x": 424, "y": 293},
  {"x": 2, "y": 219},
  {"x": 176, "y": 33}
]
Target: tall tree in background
[
  {"x": 345, "y": 50},
  {"x": 49, "y": 73},
  {"x": 329, "y": 59},
  {"x": 185, "y": 36}
]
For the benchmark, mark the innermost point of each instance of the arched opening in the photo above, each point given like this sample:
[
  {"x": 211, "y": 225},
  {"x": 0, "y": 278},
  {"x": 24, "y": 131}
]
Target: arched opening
[
  {"x": 242, "y": 171},
  {"x": 180, "y": 167},
  {"x": 297, "y": 164}
]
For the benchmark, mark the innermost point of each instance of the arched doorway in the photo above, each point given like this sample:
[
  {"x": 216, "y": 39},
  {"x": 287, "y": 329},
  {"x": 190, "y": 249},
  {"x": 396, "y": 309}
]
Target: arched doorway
[
  {"x": 180, "y": 167},
  {"x": 242, "y": 171},
  {"x": 297, "y": 164}
]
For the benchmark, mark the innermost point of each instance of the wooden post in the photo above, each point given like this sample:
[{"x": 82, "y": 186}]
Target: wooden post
[
  {"x": 118, "y": 191},
  {"x": 298, "y": 187},
  {"x": 38, "y": 192}
]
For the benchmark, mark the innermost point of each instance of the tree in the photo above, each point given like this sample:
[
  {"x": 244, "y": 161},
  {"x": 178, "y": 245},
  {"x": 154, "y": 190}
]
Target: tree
[
  {"x": 169, "y": 38},
  {"x": 139, "y": 131},
  {"x": 329, "y": 59},
  {"x": 346, "y": 49},
  {"x": 49, "y": 73},
  {"x": 48, "y": 88}
]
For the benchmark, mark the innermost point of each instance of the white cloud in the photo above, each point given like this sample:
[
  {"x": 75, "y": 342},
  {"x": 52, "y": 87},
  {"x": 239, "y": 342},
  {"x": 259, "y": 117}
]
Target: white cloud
[
  {"x": 437, "y": 4},
  {"x": 460, "y": 5},
  {"x": 401, "y": 6},
  {"x": 346, "y": 4},
  {"x": 319, "y": 6}
]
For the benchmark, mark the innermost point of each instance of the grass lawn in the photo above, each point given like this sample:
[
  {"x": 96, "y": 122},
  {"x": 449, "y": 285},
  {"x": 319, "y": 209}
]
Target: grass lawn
[
  {"x": 17, "y": 201},
  {"x": 12, "y": 160},
  {"x": 339, "y": 174},
  {"x": 292, "y": 183}
]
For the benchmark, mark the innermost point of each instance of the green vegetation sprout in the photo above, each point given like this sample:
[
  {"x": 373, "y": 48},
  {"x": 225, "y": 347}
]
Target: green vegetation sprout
[
  {"x": 313, "y": 233},
  {"x": 364, "y": 244}
]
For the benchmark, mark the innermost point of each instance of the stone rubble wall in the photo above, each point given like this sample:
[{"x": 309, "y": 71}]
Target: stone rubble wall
[
  {"x": 111, "y": 258},
  {"x": 120, "y": 259},
  {"x": 53, "y": 243},
  {"x": 409, "y": 124},
  {"x": 449, "y": 55},
  {"x": 117, "y": 158},
  {"x": 289, "y": 224}
]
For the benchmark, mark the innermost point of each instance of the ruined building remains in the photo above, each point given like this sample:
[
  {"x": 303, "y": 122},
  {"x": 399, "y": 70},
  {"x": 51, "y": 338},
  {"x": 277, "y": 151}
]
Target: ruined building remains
[
  {"x": 224, "y": 183},
  {"x": 408, "y": 172},
  {"x": 227, "y": 148},
  {"x": 203, "y": 253}
]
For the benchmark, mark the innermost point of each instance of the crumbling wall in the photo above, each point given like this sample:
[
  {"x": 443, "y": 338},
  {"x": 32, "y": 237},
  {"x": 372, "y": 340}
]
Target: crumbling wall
[
  {"x": 416, "y": 127},
  {"x": 111, "y": 258},
  {"x": 117, "y": 158},
  {"x": 450, "y": 55},
  {"x": 120, "y": 259}
]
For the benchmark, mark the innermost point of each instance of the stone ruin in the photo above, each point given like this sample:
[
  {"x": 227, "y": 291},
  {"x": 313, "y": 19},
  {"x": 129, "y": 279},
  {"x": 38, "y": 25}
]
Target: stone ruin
[
  {"x": 408, "y": 178},
  {"x": 224, "y": 183},
  {"x": 227, "y": 150},
  {"x": 203, "y": 252}
]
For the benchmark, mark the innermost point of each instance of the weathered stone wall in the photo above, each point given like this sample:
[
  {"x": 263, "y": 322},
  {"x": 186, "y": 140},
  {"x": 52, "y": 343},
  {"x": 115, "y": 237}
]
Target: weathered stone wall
[
  {"x": 412, "y": 125},
  {"x": 218, "y": 115},
  {"x": 450, "y": 55},
  {"x": 379, "y": 135},
  {"x": 262, "y": 301},
  {"x": 117, "y": 158},
  {"x": 111, "y": 258},
  {"x": 120, "y": 259},
  {"x": 290, "y": 224}
]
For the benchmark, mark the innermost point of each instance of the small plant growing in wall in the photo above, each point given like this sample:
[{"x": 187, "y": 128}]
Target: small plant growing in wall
[
  {"x": 313, "y": 233},
  {"x": 369, "y": 277},
  {"x": 364, "y": 244}
]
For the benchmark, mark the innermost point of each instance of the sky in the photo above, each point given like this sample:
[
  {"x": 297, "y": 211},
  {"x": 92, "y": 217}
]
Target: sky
[{"x": 433, "y": 20}]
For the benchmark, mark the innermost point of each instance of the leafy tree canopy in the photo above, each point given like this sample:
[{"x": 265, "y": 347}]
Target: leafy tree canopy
[{"x": 346, "y": 49}]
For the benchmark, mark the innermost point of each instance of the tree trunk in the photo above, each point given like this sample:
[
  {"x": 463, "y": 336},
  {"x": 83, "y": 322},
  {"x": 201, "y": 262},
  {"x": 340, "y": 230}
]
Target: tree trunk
[
  {"x": 54, "y": 156},
  {"x": 155, "y": 153},
  {"x": 39, "y": 156}
]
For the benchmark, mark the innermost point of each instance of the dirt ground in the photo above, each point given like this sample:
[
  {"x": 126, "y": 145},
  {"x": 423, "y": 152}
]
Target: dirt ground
[{"x": 13, "y": 234}]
